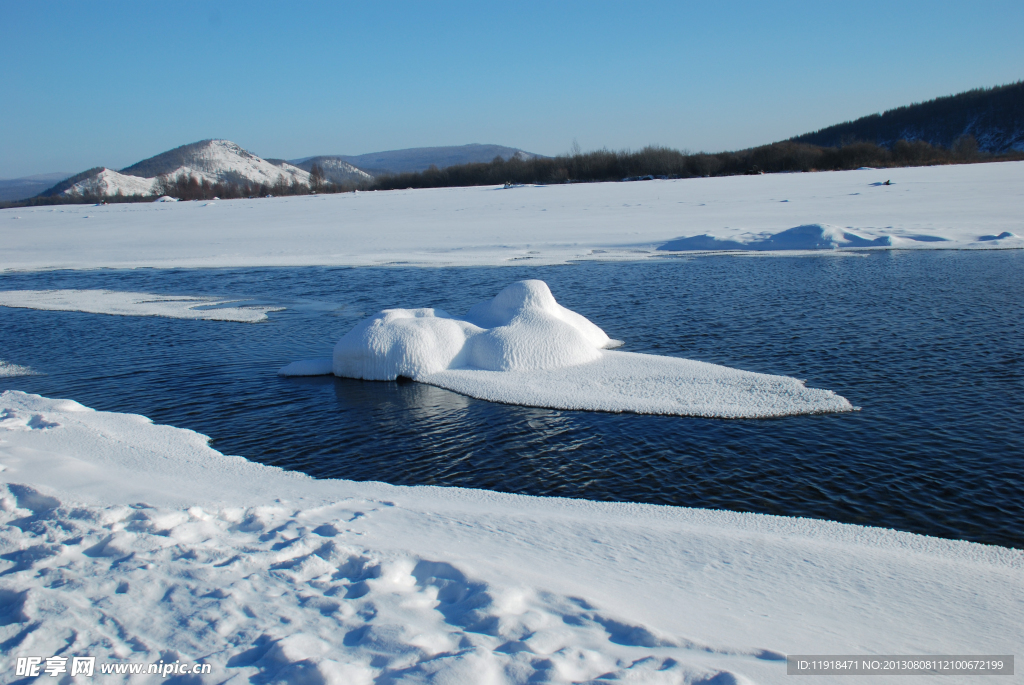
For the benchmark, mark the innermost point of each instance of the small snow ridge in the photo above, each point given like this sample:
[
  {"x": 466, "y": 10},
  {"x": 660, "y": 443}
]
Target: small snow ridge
[
  {"x": 702, "y": 242},
  {"x": 816, "y": 237},
  {"x": 134, "y": 304},
  {"x": 1002, "y": 236},
  {"x": 806, "y": 237},
  {"x": 9, "y": 370},
  {"x": 524, "y": 348}
]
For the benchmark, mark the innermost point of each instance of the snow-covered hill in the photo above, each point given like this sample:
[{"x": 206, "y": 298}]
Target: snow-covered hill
[
  {"x": 336, "y": 169},
  {"x": 107, "y": 182},
  {"x": 421, "y": 158},
  {"x": 214, "y": 161}
]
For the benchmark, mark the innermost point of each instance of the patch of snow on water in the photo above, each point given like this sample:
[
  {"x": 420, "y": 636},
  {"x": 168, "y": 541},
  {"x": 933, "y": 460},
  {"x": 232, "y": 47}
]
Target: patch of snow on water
[
  {"x": 135, "y": 304},
  {"x": 524, "y": 348},
  {"x": 9, "y": 370}
]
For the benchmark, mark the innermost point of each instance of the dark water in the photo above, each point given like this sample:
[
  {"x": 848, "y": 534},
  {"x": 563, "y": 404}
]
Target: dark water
[{"x": 928, "y": 344}]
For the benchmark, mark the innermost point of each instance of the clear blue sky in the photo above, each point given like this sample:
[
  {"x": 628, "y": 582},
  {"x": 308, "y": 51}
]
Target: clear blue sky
[{"x": 110, "y": 83}]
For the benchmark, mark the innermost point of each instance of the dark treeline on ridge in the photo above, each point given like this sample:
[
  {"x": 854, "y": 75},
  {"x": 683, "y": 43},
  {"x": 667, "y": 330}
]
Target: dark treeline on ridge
[
  {"x": 994, "y": 116},
  {"x": 192, "y": 188},
  {"x": 663, "y": 162}
]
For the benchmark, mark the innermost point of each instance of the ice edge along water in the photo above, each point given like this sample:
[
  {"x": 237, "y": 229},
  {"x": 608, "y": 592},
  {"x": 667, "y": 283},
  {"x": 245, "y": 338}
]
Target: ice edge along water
[
  {"x": 272, "y": 576},
  {"x": 135, "y": 304},
  {"x": 524, "y": 348}
]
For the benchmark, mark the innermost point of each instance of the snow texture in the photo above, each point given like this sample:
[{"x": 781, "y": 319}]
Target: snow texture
[
  {"x": 941, "y": 207},
  {"x": 524, "y": 348},
  {"x": 135, "y": 304},
  {"x": 136, "y": 542}
]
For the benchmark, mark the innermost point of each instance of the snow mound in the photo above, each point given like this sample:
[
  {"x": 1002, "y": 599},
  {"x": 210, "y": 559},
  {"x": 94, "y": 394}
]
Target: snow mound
[
  {"x": 703, "y": 242},
  {"x": 134, "y": 304},
  {"x": 816, "y": 237},
  {"x": 166, "y": 198},
  {"x": 9, "y": 370},
  {"x": 521, "y": 329},
  {"x": 1002, "y": 236},
  {"x": 522, "y": 347},
  {"x": 806, "y": 237}
]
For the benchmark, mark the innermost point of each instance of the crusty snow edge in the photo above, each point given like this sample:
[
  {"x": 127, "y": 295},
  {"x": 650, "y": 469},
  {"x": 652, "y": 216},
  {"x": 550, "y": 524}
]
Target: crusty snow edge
[
  {"x": 524, "y": 348},
  {"x": 130, "y": 541}
]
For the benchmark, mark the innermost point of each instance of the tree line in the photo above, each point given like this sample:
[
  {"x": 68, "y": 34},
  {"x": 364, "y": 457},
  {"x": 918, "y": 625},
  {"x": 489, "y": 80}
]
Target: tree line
[
  {"x": 580, "y": 167},
  {"x": 664, "y": 162}
]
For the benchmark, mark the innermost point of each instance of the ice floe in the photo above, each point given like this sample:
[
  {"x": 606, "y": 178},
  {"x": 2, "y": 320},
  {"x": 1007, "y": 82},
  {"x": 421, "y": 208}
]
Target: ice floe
[
  {"x": 133, "y": 543},
  {"x": 135, "y": 304},
  {"x": 524, "y": 348}
]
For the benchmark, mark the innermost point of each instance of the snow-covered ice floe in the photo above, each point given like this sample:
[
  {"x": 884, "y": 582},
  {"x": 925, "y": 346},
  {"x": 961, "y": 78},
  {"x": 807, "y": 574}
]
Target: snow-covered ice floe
[
  {"x": 135, "y": 304},
  {"x": 134, "y": 543},
  {"x": 524, "y": 348}
]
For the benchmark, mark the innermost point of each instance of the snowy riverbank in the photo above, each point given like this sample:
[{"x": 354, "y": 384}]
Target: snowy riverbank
[
  {"x": 959, "y": 207},
  {"x": 130, "y": 541}
]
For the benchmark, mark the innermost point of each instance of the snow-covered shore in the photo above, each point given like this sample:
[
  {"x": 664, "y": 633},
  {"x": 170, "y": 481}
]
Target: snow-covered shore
[
  {"x": 961, "y": 207},
  {"x": 130, "y": 541}
]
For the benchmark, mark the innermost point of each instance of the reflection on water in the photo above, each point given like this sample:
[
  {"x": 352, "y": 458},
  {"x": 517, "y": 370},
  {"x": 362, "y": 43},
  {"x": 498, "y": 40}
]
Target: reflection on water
[{"x": 927, "y": 343}]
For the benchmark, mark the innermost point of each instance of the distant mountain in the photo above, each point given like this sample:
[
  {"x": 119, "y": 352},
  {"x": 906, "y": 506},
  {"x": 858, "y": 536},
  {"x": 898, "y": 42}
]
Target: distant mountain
[
  {"x": 215, "y": 161},
  {"x": 420, "y": 158},
  {"x": 994, "y": 116},
  {"x": 28, "y": 186},
  {"x": 335, "y": 169}
]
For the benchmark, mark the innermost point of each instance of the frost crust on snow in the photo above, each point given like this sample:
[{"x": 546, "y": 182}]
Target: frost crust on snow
[
  {"x": 135, "y": 304},
  {"x": 522, "y": 347}
]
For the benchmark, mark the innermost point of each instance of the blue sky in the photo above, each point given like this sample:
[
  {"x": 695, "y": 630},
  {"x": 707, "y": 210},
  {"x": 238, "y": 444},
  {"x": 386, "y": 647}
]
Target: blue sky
[{"x": 110, "y": 83}]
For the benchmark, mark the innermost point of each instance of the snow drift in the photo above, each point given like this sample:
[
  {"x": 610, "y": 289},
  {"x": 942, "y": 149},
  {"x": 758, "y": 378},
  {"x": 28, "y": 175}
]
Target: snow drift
[
  {"x": 806, "y": 237},
  {"x": 524, "y": 348}
]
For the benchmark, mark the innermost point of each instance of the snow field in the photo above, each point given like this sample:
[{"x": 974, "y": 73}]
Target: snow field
[
  {"x": 944, "y": 207},
  {"x": 134, "y": 304},
  {"x": 524, "y": 348},
  {"x": 125, "y": 540}
]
